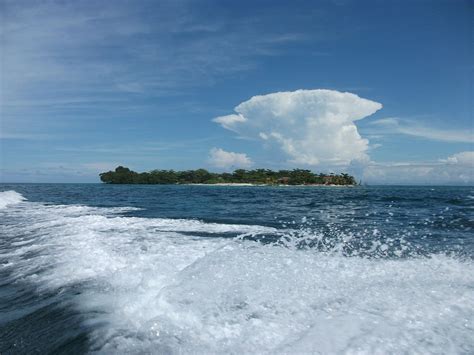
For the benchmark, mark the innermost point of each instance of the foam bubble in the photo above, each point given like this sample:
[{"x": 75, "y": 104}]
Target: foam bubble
[
  {"x": 175, "y": 286},
  {"x": 246, "y": 299}
]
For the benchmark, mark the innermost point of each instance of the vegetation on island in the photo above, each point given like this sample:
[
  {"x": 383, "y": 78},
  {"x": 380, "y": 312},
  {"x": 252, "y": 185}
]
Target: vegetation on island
[{"x": 123, "y": 175}]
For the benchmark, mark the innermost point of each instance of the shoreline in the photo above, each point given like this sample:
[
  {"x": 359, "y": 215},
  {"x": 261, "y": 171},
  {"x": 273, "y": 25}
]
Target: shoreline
[{"x": 265, "y": 185}]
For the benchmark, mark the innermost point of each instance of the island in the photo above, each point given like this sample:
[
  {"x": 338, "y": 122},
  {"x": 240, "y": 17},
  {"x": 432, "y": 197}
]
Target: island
[{"x": 123, "y": 175}]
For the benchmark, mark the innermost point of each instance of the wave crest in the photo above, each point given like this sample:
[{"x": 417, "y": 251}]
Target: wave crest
[{"x": 10, "y": 198}]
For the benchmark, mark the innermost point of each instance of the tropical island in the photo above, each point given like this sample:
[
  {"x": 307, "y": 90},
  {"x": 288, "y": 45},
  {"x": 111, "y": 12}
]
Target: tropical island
[{"x": 123, "y": 175}]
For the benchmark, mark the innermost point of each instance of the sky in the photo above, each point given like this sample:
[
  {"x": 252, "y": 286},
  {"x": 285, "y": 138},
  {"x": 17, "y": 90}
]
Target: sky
[{"x": 380, "y": 89}]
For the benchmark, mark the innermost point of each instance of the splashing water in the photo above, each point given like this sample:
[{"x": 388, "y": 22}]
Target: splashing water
[
  {"x": 164, "y": 285},
  {"x": 10, "y": 198}
]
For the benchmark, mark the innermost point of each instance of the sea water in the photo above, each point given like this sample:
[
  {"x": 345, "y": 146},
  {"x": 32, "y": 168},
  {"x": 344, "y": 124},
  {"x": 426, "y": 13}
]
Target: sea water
[{"x": 238, "y": 270}]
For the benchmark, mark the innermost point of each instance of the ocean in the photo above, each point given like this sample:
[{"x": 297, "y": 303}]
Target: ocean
[{"x": 149, "y": 269}]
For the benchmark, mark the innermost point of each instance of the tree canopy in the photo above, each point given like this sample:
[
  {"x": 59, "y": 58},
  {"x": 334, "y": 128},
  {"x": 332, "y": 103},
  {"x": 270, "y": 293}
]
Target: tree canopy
[{"x": 123, "y": 175}]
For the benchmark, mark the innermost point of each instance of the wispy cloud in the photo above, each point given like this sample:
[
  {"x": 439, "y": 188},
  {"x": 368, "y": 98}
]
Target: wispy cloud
[
  {"x": 144, "y": 148},
  {"x": 100, "y": 52},
  {"x": 394, "y": 125},
  {"x": 25, "y": 136}
]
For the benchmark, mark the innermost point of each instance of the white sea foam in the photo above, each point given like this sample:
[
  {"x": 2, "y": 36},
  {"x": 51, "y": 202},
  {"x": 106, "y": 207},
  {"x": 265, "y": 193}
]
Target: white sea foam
[
  {"x": 10, "y": 198},
  {"x": 150, "y": 288}
]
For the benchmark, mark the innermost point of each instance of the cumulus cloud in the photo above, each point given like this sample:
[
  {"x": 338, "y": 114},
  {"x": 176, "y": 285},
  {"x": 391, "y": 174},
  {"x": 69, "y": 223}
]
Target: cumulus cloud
[
  {"x": 310, "y": 127},
  {"x": 222, "y": 159},
  {"x": 462, "y": 158},
  {"x": 455, "y": 169}
]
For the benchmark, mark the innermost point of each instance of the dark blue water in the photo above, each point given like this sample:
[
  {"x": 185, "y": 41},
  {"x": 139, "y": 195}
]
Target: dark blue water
[{"x": 214, "y": 269}]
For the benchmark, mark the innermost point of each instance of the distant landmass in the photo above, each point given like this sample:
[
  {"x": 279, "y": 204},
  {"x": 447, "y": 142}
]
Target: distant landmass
[{"x": 123, "y": 175}]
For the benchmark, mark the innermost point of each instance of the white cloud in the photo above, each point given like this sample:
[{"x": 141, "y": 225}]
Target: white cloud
[
  {"x": 25, "y": 136},
  {"x": 310, "y": 127},
  {"x": 394, "y": 125},
  {"x": 462, "y": 158},
  {"x": 229, "y": 121},
  {"x": 222, "y": 159},
  {"x": 456, "y": 169},
  {"x": 62, "y": 50},
  {"x": 375, "y": 146}
]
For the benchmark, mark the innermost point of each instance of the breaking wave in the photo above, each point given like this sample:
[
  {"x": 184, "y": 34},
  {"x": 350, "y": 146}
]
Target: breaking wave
[{"x": 10, "y": 198}]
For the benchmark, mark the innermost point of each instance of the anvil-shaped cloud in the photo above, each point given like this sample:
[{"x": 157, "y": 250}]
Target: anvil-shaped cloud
[{"x": 310, "y": 127}]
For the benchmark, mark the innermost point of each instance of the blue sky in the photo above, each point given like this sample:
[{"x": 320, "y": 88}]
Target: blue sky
[{"x": 89, "y": 85}]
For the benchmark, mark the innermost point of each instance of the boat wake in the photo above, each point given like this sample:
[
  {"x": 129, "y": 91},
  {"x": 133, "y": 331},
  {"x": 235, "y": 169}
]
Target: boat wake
[{"x": 186, "y": 286}]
